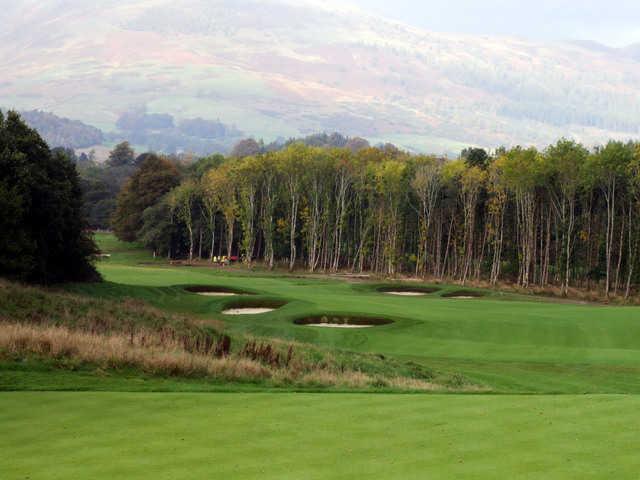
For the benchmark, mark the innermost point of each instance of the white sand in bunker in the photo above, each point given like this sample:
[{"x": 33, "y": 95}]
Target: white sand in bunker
[
  {"x": 406, "y": 294},
  {"x": 217, "y": 294},
  {"x": 337, "y": 325},
  {"x": 247, "y": 310}
]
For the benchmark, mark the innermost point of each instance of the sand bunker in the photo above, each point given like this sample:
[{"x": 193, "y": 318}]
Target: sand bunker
[
  {"x": 337, "y": 325},
  {"x": 217, "y": 294},
  {"x": 251, "y": 307},
  {"x": 402, "y": 291},
  {"x": 338, "y": 321},
  {"x": 406, "y": 294},
  {"x": 213, "y": 291},
  {"x": 247, "y": 310},
  {"x": 463, "y": 294}
]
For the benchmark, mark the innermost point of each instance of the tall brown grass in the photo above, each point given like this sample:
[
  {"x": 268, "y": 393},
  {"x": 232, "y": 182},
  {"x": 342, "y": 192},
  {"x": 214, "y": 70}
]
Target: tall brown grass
[
  {"x": 159, "y": 356},
  {"x": 149, "y": 353},
  {"x": 128, "y": 333}
]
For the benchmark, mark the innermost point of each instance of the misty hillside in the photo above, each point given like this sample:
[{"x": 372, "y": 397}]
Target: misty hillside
[
  {"x": 62, "y": 132},
  {"x": 275, "y": 68}
]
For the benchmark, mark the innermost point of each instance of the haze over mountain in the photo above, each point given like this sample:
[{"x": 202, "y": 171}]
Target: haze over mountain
[{"x": 278, "y": 69}]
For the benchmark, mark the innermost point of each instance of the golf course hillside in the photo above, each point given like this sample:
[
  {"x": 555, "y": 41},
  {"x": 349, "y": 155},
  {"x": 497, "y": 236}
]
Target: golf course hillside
[
  {"x": 183, "y": 297},
  {"x": 361, "y": 336},
  {"x": 449, "y": 338},
  {"x": 498, "y": 341}
]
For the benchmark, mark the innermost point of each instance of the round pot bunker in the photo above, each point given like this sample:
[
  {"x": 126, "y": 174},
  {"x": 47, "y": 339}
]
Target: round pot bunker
[
  {"x": 252, "y": 307},
  {"x": 215, "y": 291},
  {"x": 407, "y": 290},
  {"x": 342, "y": 321}
]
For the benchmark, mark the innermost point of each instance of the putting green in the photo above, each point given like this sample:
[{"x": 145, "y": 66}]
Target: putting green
[{"x": 317, "y": 436}]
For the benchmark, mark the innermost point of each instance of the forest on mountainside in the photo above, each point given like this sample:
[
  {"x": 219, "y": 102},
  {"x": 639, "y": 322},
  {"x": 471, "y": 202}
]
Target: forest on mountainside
[{"x": 159, "y": 132}]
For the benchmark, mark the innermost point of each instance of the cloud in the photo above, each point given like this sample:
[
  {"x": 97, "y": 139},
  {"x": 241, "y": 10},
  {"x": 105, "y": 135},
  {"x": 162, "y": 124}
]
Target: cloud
[{"x": 613, "y": 22}]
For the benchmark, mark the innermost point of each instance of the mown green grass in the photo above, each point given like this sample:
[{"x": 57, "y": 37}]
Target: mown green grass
[
  {"x": 316, "y": 436},
  {"x": 507, "y": 342}
]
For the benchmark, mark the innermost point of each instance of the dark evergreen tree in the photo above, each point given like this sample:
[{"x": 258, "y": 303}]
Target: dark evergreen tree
[
  {"x": 475, "y": 157},
  {"x": 155, "y": 177},
  {"x": 43, "y": 235}
]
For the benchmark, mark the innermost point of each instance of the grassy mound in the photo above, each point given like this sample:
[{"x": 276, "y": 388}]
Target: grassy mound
[
  {"x": 407, "y": 289},
  {"x": 463, "y": 294},
  {"x": 216, "y": 289},
  {"x": 76, "y": 332}
]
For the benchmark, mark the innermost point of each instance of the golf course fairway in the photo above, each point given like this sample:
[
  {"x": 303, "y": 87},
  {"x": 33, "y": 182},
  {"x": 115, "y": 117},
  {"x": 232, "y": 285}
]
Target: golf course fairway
[
  {"x": 316, "y": 436},
  {"x": 557, "y": 385}
]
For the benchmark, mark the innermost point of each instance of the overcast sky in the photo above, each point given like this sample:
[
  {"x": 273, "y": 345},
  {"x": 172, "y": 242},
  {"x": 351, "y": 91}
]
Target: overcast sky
[{"x": 611, "y": 22}]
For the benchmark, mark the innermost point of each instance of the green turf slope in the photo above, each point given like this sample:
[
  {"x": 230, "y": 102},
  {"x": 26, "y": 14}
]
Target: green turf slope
[
  {"x": 47, "y": 436},
  {"x": 509, "y": 343}
]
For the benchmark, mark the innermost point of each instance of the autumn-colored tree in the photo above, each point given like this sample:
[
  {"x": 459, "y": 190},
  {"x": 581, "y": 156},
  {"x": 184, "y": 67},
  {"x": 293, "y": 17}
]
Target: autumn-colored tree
[
  {"x": 426, "y": 184},
  {"x": 563, "y": 169},
  {"x": 182, "y": 201},
  {"x": 564, "y": 216},
  {"x": 247, "y": 174},
  {"x": 222, "y": 184}
]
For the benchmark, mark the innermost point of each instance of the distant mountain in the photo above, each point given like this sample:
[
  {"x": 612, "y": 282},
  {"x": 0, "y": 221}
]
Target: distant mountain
[
  {"x": 633, "y": 51},
  {"x": 63, "y": 132},
  {"x": 594, "y": 46},
  {"x": 284, "y": 68},
  {"x": 161, "y": 133}
]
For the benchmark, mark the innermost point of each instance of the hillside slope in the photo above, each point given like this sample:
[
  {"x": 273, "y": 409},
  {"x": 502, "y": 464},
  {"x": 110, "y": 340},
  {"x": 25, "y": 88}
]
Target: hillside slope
[{"x": 275, "y": 68}]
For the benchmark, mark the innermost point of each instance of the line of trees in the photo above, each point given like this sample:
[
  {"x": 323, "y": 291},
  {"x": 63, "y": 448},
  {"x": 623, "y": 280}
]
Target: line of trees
[{"x": 563, "y": 216}]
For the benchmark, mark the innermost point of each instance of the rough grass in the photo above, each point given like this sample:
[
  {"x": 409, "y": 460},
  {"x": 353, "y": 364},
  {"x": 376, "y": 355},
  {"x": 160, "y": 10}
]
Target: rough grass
[
  {"x": 150, "y": 352},
  {"x": 74, "y": 330},
  {"x": 41, "y": 306}
]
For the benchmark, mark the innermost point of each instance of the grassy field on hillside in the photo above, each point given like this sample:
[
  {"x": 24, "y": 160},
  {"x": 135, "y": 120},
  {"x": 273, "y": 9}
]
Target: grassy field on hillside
[
  {"x": 506, "y": 342},
  {"x": 128, "y": 423}
]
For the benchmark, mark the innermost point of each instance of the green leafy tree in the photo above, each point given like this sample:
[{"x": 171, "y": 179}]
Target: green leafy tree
[
  {"x": 158, "y": 228},
  {"x": 521, "y": 171},
  {"x": 43, "y": 236},
  {"x": 563, "y": 164},
  {"x": 121, "y": 155},
  {"x": 221, "y": 184},
  {"x": 182, "y": 200},
  {"x": 607, "y": 172},
  {"x": 247, "y": 175},
  {"x": 475, "y": 157},
  {"x": 155, "y": 177}
]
